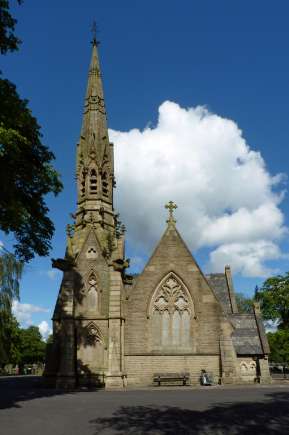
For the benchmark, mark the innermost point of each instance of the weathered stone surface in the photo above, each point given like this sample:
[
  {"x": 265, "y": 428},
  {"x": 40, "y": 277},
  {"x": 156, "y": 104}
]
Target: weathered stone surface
[{"x": 115, "y": 330}]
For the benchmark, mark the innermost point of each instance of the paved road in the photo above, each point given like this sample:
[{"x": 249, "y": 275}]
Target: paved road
[{"x": 26, "y": 408}]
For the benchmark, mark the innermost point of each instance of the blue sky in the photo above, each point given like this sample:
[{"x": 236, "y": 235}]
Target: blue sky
[{"x": 231, "y": 57}]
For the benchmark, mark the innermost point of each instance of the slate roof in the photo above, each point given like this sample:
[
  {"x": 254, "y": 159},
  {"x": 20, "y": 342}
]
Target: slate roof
[
  {"x": 219, "y": 284},
  {"x": 249, "y": 336},
  {"x": 246, "y": 337}
]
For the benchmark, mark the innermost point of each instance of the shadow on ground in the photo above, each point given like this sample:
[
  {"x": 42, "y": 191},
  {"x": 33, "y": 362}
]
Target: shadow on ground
[
  {"x": 269, "y": 416},
  {"x": 15, "y": 389}
]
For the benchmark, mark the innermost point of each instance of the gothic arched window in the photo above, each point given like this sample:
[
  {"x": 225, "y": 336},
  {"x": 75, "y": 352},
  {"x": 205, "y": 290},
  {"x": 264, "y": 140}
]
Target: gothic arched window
[
  {"x": 104, "y": 181},
  {"x": 93, "y": 182},
  {"x": 92, "y": 294},
  {"x": 171, "y": 312}
]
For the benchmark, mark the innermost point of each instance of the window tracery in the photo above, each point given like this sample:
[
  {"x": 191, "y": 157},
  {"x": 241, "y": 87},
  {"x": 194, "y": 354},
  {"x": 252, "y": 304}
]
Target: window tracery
[
  {"x": 93, "y": 334},
  {"x": 171, "y": 316}
]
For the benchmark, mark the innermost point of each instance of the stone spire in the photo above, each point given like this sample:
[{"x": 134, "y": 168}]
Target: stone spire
[
  {"x": 95, "y": 169},
  {"x": 94, "y": 125}
]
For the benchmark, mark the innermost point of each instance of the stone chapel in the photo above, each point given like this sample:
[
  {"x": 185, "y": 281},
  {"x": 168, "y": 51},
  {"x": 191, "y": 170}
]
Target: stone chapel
[{"x": 115, "y": 330}]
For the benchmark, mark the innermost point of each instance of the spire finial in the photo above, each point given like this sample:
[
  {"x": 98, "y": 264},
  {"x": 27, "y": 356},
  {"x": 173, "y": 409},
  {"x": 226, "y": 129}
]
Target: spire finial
[
  {"x": 171, "y": 206},
  {"x": 94, "y": 31}
]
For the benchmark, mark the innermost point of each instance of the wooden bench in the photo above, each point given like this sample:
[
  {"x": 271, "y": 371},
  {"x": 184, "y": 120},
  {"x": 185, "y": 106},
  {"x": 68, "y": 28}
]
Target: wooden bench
[{"x": 167, "y": 377}]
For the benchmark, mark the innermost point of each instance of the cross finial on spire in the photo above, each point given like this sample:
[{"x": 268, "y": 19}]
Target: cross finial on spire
[
  {"x": 94, "y": 31},
  {"x": 171, "y": 206}
]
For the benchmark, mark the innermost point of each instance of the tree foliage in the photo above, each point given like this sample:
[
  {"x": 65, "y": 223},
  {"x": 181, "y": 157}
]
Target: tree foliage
[
  {"x": 244, "y": 304},
  {"x": 20, "y": 346},
  {"x": 10, "y": 274},
  {"x": 279, "y": 346},
  {"x": 32, "y": 347},
  {"x": 26, "y": 176},
  {"x": 8, "y": 40},
  {"x": 26, "y": 171},
  {"x": 10, "y": 339},
  {"x": 274, "y": 299}
]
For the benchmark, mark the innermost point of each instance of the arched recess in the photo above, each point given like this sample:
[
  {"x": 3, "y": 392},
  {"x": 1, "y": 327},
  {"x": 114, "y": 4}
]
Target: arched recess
[
  {"x": 171, "y": 315},
  {"x": 92, "y": 292},
  {"x": 93, "y": 350},
  {"x": 93, "y": 333},
  {"x": 243, "y": 368}
]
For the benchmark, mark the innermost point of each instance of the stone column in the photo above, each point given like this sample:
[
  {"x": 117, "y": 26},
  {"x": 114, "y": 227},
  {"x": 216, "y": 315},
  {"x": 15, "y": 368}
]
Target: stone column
[
  {"x": 228, "y": 354},
  {"x": 114, "y": 375},
  {"x": 66, "y": 375},
  {"x": 232, "y": 297},
  {"x": 265, "y": 377},
  {"x": 263, "y": 366}
]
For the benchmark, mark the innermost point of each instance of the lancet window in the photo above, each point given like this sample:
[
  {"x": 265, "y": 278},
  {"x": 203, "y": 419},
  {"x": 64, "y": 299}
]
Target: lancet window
[
  {"x": 93, "y": 181},
  {"x": 105, "y": 187},
  {"x": 171, "y": 312},
  {"x": 92, "y": 294}
]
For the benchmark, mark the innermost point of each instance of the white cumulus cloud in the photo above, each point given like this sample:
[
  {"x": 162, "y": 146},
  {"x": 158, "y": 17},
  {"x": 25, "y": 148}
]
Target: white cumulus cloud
[
  {"x": 247, "y": 258},
  {"x": 24, "y": 312},
  {"x": 44, "y": 329},
  {"x": 227, "y": 200}
]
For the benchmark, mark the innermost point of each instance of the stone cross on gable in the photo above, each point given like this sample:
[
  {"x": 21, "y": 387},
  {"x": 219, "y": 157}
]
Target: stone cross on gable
[{"x": 171, "y": 206}]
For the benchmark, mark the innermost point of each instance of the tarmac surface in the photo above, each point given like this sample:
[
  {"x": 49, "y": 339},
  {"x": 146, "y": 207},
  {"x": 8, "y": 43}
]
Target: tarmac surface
[{"x": 26, "y": 408}]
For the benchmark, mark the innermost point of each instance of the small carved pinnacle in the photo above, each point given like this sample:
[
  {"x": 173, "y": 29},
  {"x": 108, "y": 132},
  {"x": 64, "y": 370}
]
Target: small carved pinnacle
[{"x": 69, "y": 230}]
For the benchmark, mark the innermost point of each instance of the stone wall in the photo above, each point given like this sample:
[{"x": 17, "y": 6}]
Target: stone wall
[
  {"x": 140, "y": 369},
  {"x": 172, "y": 256}
]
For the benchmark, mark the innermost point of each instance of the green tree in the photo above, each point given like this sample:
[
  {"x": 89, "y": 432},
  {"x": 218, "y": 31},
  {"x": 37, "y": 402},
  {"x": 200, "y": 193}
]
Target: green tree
[
  {"x": 244, "y": 304},
  {"x": 8, "y": 40},
  {"x": 279, "y": 346},
  {"x": 274, "y": 300},
  {"x": 32, "y": 346},
  {"x": 10, "y": 274},
  {"x": 26, "y": 176},
  {"x": 26, "y": 171},
  {"x": 10, "y": 339}
]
